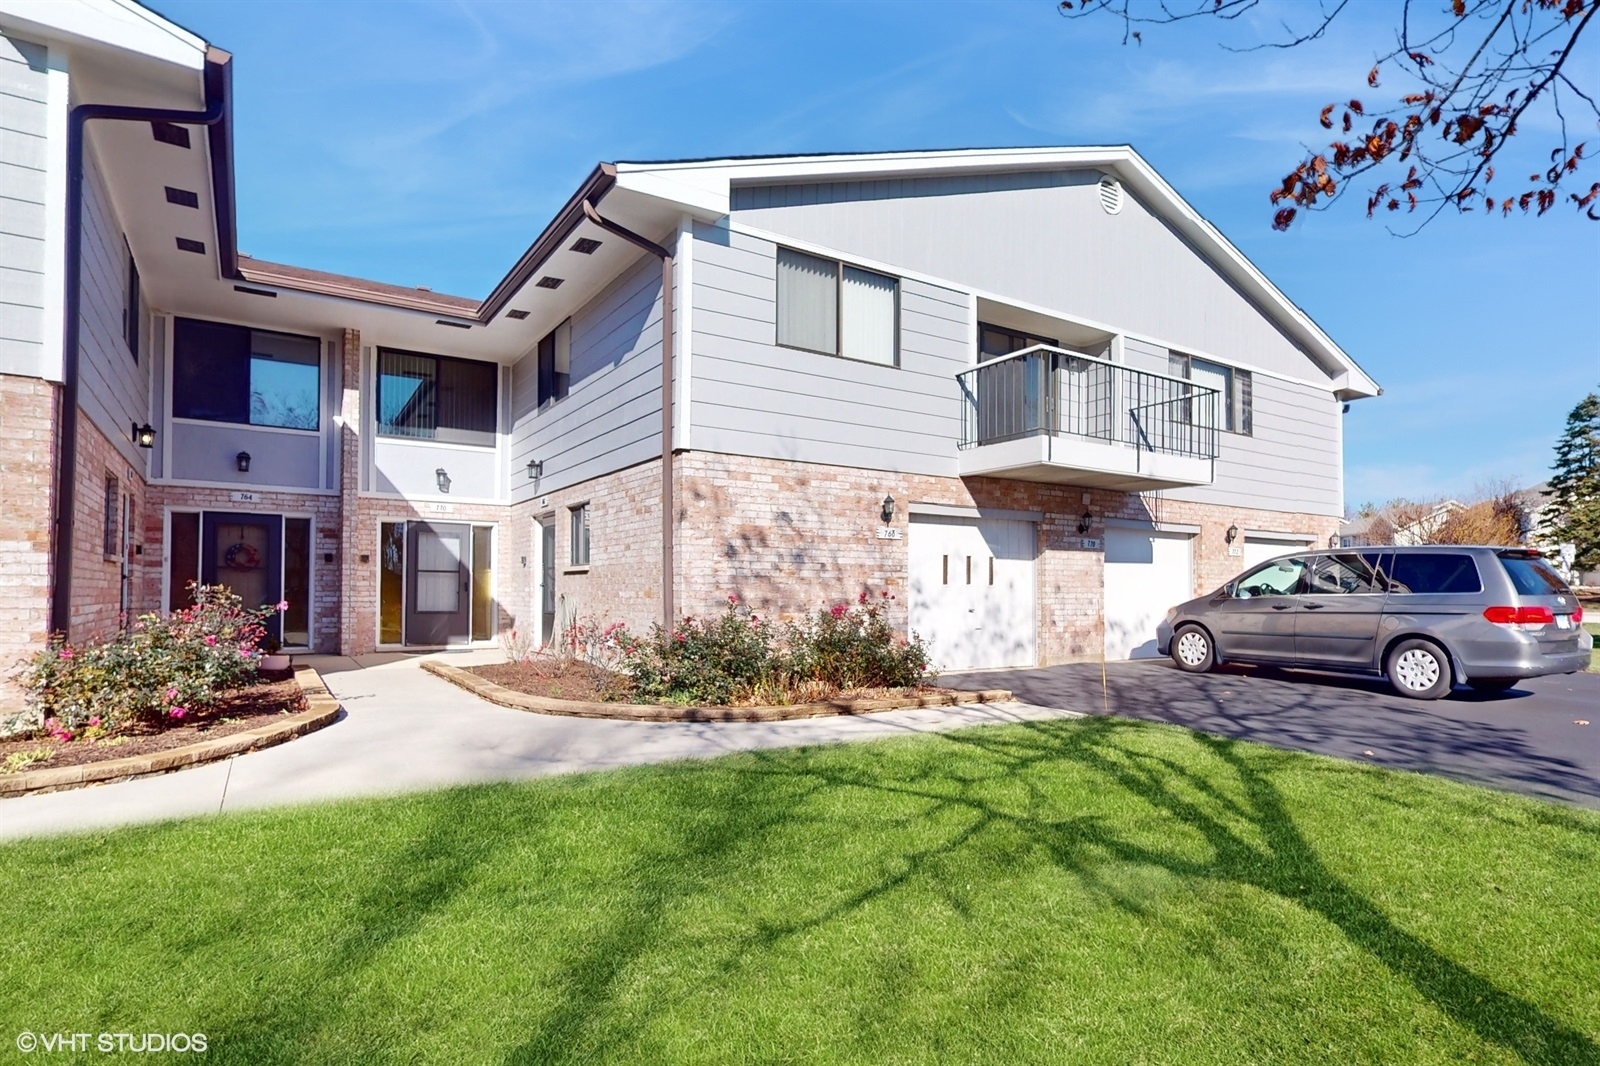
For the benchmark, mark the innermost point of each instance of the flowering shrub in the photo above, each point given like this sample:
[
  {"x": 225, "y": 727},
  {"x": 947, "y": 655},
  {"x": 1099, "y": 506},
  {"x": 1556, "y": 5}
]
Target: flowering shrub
[
  {"x": 159, "y": 670},
  {"x": 739, "y": 656}
]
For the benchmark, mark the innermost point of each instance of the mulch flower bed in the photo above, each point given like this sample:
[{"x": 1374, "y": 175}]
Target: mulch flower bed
[
  {"x": 245, "y": 708},
  {"x": 560, "y": 680}
]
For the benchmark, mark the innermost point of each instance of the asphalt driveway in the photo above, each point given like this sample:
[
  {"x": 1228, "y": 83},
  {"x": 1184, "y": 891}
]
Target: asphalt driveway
[{"x": 1530, "y": 740}]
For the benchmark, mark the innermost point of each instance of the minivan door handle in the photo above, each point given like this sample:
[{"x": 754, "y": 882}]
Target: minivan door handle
[
  {"x": 1315, "y": 606},
  {"x": 1280, "y": 607}
]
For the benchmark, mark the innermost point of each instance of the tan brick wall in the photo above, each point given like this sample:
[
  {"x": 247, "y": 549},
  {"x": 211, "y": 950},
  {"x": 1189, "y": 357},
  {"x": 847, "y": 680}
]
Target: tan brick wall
[
  {"x": 623, "y": 579},
  {"x": 791, "y": 537},
  {"x": 28, "y": 420},
  {"x": 96, "y": 575}
]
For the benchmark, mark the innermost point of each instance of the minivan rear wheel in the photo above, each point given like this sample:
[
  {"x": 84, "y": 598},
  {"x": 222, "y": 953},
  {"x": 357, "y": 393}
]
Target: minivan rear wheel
[
  {"x": 1192, "y": 651},
  {"x": 1419, "y": 669}
]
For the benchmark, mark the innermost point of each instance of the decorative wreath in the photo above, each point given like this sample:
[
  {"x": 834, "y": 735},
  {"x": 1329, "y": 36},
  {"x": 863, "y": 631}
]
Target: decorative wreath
[{"x": 241, "y": 557}]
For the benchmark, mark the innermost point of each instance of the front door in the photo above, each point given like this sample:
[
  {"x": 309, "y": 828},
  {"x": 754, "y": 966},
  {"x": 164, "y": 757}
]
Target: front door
[
  {"x": 245, "y": 553},
  {"x": 1257, "y": 622},
  {"x": 439, "y": 604}
]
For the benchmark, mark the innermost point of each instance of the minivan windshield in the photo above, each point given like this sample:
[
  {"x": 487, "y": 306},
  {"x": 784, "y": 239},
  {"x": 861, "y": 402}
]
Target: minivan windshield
[{"x": 1533, "y": 576}]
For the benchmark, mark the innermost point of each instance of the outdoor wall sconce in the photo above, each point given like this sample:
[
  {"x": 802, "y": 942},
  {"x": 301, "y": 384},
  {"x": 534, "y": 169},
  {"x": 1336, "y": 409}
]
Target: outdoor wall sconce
[
  {"x": 442, "y": 479},
  {"x": 144, "y": 436},
  {"x": 1232, "y": 534},
  {"x": 1084, "y": 522},
  {"x": 1333, "y": 540},
  {"x": 242, "y": 461},
  {"x": 535, "y": 469},
  {"x": 888, "y": 510}
]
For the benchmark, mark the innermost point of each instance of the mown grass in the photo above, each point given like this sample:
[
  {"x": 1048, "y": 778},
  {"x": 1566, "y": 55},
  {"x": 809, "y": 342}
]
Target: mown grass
[
  {"x": 1594, "y": 653},
  {"x": 1092, "y": 891}
]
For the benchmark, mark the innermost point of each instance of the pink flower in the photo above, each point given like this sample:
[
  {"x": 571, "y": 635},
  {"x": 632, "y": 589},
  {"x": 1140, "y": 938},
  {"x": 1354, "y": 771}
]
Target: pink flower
[
  {"x": 94, "y": 723},
  {"x": 172, "y": 693},
  {"x": 211, "y": 640},
  {"x": 838, "y": 610},
  {"x": 733, "y": 598},
  {"x": 862, "y": 599},
  {"x": 65, "y": 653},
  {"x": 283, "y": 605},
  {"x": 178, "y": 712}
]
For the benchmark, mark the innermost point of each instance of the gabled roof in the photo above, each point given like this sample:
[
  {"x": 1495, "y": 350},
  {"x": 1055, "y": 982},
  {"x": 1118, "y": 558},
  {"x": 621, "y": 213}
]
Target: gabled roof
[{"x": 704, "y": 186}]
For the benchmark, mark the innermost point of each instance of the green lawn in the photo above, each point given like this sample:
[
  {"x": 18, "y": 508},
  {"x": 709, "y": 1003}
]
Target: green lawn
[
  {"x": 1594, "y": 653},
  {"x": 1090, "y": 891}
]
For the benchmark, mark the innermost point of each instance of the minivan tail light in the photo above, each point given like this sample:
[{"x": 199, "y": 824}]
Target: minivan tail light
[
  {"x": 1521, "y": 616},
  {"x": 1577, "y": 615}
]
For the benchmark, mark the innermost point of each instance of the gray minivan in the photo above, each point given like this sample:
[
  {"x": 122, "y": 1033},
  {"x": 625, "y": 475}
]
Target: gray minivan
[{"x": 1426, "y": 617}]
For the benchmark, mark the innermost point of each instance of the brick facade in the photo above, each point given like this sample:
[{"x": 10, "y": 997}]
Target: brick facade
[
  {"x": 97, "y": 572},
  {"x": 28, "y": 419}
]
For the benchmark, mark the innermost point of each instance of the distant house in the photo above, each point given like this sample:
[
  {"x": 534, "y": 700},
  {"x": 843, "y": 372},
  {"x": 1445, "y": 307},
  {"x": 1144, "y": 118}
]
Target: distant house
[{"x": 1391, "y": 526}]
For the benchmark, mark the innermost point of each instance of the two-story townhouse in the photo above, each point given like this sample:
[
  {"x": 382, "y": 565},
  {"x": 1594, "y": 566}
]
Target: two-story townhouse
[{"x": 1029, "y": 395}]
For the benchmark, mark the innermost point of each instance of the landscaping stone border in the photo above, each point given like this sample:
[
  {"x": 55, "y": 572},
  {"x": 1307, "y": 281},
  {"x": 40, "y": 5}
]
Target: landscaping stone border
[
  {"x": 656, "y": 712},
  {"x": 321, "y": 709}
]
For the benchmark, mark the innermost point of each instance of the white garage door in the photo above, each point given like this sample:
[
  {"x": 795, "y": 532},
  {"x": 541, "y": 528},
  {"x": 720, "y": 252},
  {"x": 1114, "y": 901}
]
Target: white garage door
[
  {"x": 1260, "y": 549},
  {"x": 1146, "y": 573},
  {"x": 971, "y": 586}
]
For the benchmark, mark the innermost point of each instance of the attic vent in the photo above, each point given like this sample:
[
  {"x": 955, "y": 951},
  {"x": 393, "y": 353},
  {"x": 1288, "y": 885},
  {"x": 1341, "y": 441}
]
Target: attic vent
[
  {"x": 182, "y": 197},
  {"x": 185, "y": 244},
  {"x": 1111, "y": 195},
  {"x": 447, "y": 322},
  {"x": 548, "y": 282},
  {"x": 519, "y": 315},
  {"x": 586, "y": 245},
  {"x": 167, "y": 133}
]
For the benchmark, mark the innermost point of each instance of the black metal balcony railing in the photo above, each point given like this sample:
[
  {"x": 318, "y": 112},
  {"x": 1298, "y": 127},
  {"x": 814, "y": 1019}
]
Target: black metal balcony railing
[{"x": 1043, "y": 390}]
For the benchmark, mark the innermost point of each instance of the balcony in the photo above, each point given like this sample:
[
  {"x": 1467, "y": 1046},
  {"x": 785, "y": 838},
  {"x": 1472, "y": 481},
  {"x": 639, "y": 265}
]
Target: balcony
[{"x": 1044, "y": 414}]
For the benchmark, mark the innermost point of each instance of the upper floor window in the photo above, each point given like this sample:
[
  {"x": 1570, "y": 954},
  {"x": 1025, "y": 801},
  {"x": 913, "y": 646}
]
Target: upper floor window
[
  {"x": 254, "y": 377},
  {"x": 435, "y": 397},
  {"x": 995, "y": 341},
  {"x": 555, "y": 363},
  {"x": 1235, "y": 390},
  {"x": 829, "y": 307}
]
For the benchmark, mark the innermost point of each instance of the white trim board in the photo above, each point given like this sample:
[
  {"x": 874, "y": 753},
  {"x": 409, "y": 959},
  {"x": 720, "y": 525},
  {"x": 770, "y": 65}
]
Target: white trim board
[
  {"x": 945, "y": 510},
  {"x": 1152, "y": 527}
]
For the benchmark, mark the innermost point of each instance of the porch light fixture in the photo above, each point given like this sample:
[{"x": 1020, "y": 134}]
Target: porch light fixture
[
  {"x": 535, "y": 469},
  {"x": 1232, "y": 534},
  {"x": 144, "y": 436},
  {"x": 1084, "y": 522},
  {"x": 242, "y": 461},
  {"x": 1333, "y": 540},
  {"x": 888, "y": 510},
  {"x": 442, "y": 479}
]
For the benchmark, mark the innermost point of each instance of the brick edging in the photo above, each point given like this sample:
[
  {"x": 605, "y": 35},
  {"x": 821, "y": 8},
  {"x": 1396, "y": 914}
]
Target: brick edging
[
  {"x": 651, "y": 712},
  {"x": 321, "y": 709}
]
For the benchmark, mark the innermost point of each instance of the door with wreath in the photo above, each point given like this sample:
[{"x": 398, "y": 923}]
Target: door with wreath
[{"x": 245, "y": 553}]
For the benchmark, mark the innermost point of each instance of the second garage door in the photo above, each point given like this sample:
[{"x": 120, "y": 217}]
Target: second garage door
[
  {"x": 1258, "y": 548},
  {"x": 1147, "y": 572},
  {"x": 972, "y": 590}
]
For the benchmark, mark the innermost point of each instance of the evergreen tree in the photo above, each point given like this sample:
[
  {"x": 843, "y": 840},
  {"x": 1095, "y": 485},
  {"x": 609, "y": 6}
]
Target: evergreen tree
[{"x": 1575, "y": 487}]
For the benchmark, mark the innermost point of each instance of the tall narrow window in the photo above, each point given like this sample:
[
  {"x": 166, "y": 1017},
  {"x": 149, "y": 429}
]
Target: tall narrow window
[
  {"x": 391, "y": 581},
  {"x": 435, "y": 397},
  {"x": 827, "y": 307},
  {"x": 580, "y": 535},
  {"x": 484, "y": 612},
  {"x": 555, "y": 364},
  {"x": 183, "y": 559},
  {"x": 112, "y": 532},
  {"x": 130, "y": 309},
  {"x": 297, "y": 582}
]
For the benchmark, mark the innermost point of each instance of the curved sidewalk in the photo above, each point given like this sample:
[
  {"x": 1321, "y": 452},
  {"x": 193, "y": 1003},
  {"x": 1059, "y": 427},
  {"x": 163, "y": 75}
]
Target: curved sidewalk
[{"x": 405, "y": 730}]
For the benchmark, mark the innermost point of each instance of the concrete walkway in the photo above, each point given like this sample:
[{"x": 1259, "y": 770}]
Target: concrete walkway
[{"x": 405, "y": 730}]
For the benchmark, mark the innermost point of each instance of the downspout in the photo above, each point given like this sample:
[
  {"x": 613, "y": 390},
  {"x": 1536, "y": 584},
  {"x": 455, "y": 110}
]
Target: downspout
[
  {"x": 668, "y": 506},
  {"x": 67, "y": 444}
]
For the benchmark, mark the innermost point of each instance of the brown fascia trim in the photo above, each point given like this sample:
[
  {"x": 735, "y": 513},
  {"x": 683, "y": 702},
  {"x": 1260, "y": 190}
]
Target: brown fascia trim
[
  {"x": 345, "y": 287},
  {"x": 593, "y": 189},
  {"x": 219, "y": 139}
]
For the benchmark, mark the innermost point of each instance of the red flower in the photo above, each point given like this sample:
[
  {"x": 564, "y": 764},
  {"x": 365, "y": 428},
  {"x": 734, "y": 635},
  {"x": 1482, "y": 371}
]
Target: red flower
[
  {"x": 838, "y": 610},
  {"x": 862, "y": 599}
]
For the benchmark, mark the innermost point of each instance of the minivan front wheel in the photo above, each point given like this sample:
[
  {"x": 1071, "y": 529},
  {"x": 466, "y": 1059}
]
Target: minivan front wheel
[
  {"x": 1192, "y": 651},
  {"x": 1419, "y": 669}
]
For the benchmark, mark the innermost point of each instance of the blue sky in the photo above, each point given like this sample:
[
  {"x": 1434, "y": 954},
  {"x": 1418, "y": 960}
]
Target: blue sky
[{"x": 428, "y": 143}]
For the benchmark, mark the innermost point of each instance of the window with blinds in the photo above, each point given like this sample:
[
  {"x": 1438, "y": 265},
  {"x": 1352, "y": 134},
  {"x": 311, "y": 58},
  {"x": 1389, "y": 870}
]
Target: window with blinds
[
  {"x": 435, "y": 397},
  {"x": 1235, "y": 392},
  {"x": 828, "y": 307}
]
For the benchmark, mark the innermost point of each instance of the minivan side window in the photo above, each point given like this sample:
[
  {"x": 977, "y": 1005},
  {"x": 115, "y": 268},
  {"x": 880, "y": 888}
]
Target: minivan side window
[
  {"x": 1424, "y": 573},
  {"x": 1337, "y": 575},
  {"x": 1282, "y": 577}
]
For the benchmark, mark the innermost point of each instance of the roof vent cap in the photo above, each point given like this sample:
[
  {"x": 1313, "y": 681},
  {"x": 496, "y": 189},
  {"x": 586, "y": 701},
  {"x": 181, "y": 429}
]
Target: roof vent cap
[{"x": 1111, "y": 195}]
